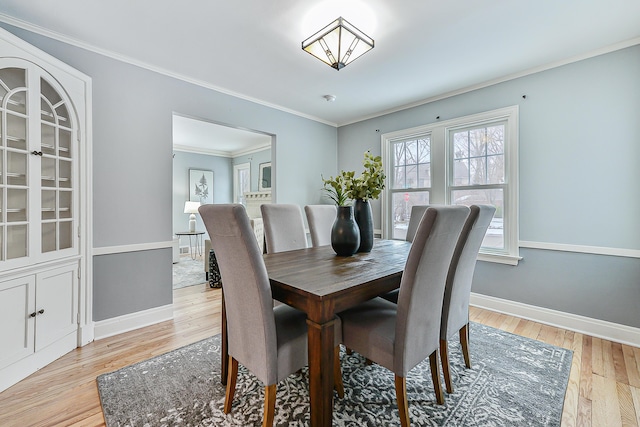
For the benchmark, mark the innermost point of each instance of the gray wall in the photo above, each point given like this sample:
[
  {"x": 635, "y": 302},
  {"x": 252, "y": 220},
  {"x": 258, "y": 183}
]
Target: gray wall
[
  {"x": 222, "y": 188},
  {"x": 579, "y": 175},
  {"x": 132, "y": 142}
]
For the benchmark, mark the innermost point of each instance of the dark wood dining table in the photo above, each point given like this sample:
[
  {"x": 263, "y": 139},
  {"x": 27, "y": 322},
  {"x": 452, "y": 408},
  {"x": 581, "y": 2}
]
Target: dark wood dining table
[{"x": 320, "y": 283}]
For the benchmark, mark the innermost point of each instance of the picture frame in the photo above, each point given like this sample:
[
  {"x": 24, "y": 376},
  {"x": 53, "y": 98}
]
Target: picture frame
[
  {"x": 201, "y": 186},
  {"x": 264, "y": 177}
]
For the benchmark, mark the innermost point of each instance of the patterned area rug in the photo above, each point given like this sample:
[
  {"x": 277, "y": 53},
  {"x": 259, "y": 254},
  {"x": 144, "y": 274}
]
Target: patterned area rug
[
  {"x": 514, "y": 381},
  {"x": 188, "y": 272}
]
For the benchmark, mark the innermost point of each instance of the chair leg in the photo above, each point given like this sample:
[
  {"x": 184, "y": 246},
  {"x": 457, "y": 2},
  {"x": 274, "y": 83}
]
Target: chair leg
[
  {"x": 444, "y": 361},
  {"x": 337, "y": 373},
  {"x": 401, "y": 397},
  {"x": 435, "y": 376},
  {"x": 349, "y": 351},
  {"x": 368, "y": 362},
  {"x": 464, "y": 343},
  {"x": 269, "y": 405},
  {"x": 231, "y": 384}
]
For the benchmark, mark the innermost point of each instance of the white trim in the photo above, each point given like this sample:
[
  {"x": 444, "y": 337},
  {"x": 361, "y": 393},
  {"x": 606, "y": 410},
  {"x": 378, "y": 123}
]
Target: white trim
[
  {"x": 129, "y": 322},
  {"x": 128, "y": 60},
  {"x": 499, "y": 258},
  {"x": 597, "y": 328},
  {"x": 220, "y": 153},
  {"x": 596, "y": 250},
  {"x": 107, "y": 250}
]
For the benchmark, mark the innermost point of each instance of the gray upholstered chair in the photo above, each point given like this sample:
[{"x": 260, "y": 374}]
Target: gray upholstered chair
[
  {"x": 399, "y": 336},
  {"x": 417, "y": 211},
  {"x": 270, "y": 342},
  {"x": 320, "y": 219},
  {"x": 455, "y": 309},
  {"x": 416, "y": 215},
  {"x": 283, "y": 227}
]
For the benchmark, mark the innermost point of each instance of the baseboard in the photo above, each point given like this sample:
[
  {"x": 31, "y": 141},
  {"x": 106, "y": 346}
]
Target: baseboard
[
  {"x": 597, "y": 328},
  {"x": 129, "y": 322}
]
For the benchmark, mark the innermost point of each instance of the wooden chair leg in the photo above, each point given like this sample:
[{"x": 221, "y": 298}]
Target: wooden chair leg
[
  {"x": 464, "y": 343},
  {"x": 269, "y": 405},
  {"x": 401, "y": 398},
  {"x": 435, "y": 376},
  {"x": 349, "y": 351},
  {"x": 337, "y": 373},
  {"x": 231, "y": 384},
  {"x": 444, "y": 361}
]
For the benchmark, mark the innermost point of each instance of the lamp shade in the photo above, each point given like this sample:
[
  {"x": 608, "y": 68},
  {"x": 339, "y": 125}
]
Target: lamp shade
[
  {"x": 191, "y": 207},
  {"x": 338, "y": 44}
]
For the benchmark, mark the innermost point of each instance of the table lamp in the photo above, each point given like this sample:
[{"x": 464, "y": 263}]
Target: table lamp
[{"x": 191, "y": 208}]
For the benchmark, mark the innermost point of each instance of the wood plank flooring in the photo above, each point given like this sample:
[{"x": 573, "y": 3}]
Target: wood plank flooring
[{"x": 603, "y": 390}]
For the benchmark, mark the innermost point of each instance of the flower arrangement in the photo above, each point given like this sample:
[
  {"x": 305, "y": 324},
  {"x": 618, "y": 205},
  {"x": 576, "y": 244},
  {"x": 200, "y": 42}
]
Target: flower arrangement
[{"x": 346, "y": 186}]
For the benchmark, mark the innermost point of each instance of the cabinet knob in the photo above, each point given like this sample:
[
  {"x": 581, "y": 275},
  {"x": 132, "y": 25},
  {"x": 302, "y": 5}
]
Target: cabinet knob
[
  {"x": 36, "y": 153},
  {"x": 41, "y": 311},
  {"x": 33, "y": 314}
]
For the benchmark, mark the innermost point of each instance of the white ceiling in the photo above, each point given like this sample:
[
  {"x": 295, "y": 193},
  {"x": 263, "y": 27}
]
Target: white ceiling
[
  {"x": 424, "y": 49},
  {"x": 211, "y": 138}
]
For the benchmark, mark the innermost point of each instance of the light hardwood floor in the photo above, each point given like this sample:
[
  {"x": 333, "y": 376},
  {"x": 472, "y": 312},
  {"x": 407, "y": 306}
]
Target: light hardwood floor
[{"x": 604, "y": 384}]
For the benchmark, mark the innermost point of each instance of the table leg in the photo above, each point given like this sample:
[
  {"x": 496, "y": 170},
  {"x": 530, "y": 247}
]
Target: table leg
[
  {"x": 224, "y": 348},
  {"x": 321, "y": 343}
]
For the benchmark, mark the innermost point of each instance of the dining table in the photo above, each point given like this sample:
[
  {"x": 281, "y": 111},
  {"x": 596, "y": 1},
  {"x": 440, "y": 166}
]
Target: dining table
[{"x": 322, "y": 284}]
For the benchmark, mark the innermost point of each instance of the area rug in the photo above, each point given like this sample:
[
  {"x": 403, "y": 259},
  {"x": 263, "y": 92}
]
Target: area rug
[
  {"x": 515, "y": 381},
  {"x": 188, "y": 272}
]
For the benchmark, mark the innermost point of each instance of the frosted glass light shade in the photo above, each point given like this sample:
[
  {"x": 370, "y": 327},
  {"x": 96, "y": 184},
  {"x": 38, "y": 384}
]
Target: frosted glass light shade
[{"x": 338, "y": 44}]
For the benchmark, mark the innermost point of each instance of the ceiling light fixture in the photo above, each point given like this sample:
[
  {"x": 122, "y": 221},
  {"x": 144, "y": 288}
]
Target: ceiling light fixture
[{"x": 338, "y": 44}]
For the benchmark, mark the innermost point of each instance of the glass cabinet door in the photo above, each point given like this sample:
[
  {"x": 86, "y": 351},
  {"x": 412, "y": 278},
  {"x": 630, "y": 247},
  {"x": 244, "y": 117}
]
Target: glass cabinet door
[
  {"x": 56, "y": 171},
  {"x": 14, "y": 165},
  {"x": 36, "y": 167}
]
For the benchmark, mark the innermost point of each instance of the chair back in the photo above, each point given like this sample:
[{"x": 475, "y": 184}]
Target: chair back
[
  {"x": 320, "y": 219},
  {"x": 455, "y": 310},
  {"x": 416, "y": 215},
  {"x": 283, "y": 227},
  {"x": 251, "y": 328},
  {"x": 422, "y": 285}
]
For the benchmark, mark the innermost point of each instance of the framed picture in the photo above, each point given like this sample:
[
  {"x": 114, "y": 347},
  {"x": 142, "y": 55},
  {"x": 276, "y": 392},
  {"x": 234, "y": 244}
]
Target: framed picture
[
  {"x": 264, "y": 180},
  {"x": 200, "y": 186}
]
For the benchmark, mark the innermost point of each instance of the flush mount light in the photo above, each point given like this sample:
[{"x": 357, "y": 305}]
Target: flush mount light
[{"x": 338, "y": 44}]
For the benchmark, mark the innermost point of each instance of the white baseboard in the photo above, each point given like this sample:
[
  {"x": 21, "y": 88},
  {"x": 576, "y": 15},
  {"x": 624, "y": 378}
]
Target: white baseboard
[
  {"x": 129, "y": 322},
  {"x": 597, "y": 328}
]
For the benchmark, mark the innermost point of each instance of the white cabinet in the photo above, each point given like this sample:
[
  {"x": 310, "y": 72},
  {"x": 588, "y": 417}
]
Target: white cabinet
[
  {"x": 37, "y": 311},
  {"x": 44, "y": 176}
]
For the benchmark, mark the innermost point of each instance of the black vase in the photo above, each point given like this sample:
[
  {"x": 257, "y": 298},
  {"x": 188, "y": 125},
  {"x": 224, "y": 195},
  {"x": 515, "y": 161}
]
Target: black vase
[
  {"x": 364, "y": 219},
  {"x": 345, "y": 236}
]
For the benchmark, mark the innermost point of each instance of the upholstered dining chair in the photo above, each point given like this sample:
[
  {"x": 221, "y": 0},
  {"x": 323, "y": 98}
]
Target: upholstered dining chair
[
  {"x": 416, "y": 215},
  {"x": 455, "y": 308},
  {"x": 417, "y": 211},
  {"x": 399, "y": 336},
  {"x": 283, "y": 227},
  {"x": 320, "y": 219},
  {"x": 270, "y": 342}
]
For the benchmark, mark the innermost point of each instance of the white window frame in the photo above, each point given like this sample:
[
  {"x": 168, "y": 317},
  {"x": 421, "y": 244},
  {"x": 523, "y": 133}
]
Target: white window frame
[{"x": 441, "y": 170}]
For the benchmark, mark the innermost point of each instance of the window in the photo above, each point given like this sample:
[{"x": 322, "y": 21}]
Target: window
[
  {"x": 465, "y": 161},
  {"x": 410, "y": 180}
]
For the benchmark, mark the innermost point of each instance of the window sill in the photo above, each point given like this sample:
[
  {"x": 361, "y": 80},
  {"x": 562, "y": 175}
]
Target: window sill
[{"x": 499, "y": 258}]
